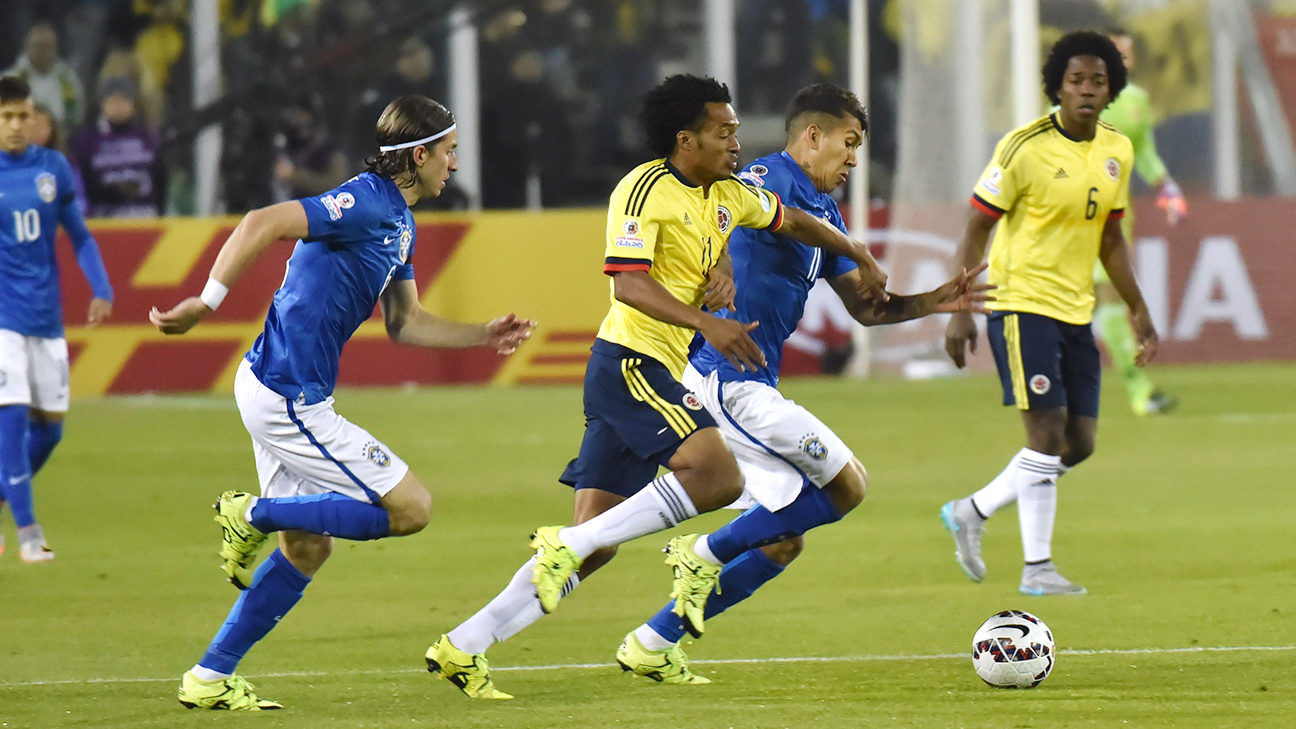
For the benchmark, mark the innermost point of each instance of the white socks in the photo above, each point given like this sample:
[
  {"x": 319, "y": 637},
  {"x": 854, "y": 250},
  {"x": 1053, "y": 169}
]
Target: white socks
[
  {"x": 1036, "y": 503},
  {"x": 1000, "y": 492},
  {"x": 1031, "y": 480},
  {"x": 513, "y": 609},
  {"x": 658, "y": 506},
  {"x": 650, "y": 639},
  {"x": 206, "y": 674}
]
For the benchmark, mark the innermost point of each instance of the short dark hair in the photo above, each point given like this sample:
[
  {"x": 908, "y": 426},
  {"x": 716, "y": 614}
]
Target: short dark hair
[
  {"x": 1083, "y": 43},
  {"x": 406, "y": 119},
  {"x": 13, "y": 88},
  {"x": 676, "y": 104},
  {"x": 823, "y": 98}
]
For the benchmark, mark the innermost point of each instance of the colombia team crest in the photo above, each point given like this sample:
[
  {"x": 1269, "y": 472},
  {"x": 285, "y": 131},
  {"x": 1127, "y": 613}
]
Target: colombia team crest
[
  {"x": 723, "y": 219},
  {"x": 1113, "y": 168}
]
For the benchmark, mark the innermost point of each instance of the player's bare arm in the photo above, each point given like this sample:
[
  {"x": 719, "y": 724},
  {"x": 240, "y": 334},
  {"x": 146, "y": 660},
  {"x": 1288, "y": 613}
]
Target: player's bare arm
[
  {"x": 409, "y": 323},
  {"x": 1115, "y": 257},
  {"x": 255, "y": 233},
  {"x": 806, "y": 228},
  {"x": 960, "y": 294},
  {"x": 720, "y": 284},
  {"x": 961, "y": 333},
  {"x": 730, "y": 338}
]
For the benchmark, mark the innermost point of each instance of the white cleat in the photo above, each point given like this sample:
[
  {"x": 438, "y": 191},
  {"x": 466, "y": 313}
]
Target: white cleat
[
  {"x": 33, "y": 552},
  {"x": 1043, "y": 579},
  {"x": 965, "y": 525}
]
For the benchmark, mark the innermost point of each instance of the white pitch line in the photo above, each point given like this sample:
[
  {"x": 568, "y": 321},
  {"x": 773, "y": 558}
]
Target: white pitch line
[{"x": 713, "y": 662}]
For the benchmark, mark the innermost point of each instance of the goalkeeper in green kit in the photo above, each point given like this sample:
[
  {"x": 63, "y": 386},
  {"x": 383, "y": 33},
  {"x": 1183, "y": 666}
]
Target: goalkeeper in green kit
[{"x": 1131, "y": 114}]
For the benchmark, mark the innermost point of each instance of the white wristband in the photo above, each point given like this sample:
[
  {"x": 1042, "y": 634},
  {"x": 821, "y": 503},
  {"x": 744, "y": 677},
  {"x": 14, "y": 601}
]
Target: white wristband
[{"x": 213, "y": 293}]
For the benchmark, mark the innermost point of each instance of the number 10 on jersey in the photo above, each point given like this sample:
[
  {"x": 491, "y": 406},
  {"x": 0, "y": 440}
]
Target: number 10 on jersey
[{"x": 26, "y": 225}]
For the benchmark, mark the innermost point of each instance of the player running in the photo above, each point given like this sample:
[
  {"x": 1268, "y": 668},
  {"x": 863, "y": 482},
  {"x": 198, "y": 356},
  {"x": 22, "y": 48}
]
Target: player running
[
  {"x": 37, "y": 194},
  {"x": 668, "y": 224},
  {"x": 321, "y": 476},
  {"x": 799, "y": 473},
  {"x": 1057, "y": 188}
]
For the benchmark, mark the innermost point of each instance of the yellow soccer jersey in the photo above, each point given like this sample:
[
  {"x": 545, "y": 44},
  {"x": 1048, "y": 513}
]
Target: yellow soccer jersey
[
  {"x": 1052, "y": 194},
  {"x": 660, "y": 223}
]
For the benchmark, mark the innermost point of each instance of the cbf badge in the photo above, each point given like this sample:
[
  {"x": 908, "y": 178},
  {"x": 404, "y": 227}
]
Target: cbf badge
[
  {"x": 47, "y": 187},
  {"x": 406, "y": 238},
  {"x": 377, "y": 455}
]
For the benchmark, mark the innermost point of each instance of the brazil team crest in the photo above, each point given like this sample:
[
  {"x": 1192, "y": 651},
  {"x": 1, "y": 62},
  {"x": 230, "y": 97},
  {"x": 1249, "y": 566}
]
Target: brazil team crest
[
  {"x": 47, "y": 187},
  {"x": 406, "y": 238},
  {"x": 377, "y": 455},
  {"x": 814, "y": 447}
]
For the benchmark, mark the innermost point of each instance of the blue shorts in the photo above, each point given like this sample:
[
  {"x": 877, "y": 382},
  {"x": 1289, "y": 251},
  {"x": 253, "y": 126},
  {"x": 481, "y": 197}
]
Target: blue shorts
[
  {"x": 1045, "y": 363},
  {"x": 636, "y": 416}
]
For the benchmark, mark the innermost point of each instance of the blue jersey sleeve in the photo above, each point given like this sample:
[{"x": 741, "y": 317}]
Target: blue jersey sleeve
[
  {"x": 345, "y": 214},
  {"x": 406, "y": 270},
  {"x": 73, "y": 221}
]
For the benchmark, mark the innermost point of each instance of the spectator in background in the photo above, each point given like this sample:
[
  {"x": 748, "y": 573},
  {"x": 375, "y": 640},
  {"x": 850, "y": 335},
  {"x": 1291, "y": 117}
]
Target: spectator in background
[
  {"x": 117, "y": 157},
  {"x": 53, "y": 83},
  {"x": 157, "y": 49},
  {"x": 308, "y": 162},
  {"x": 413, "y": 72},
  {"x": 525, "y": 135}
]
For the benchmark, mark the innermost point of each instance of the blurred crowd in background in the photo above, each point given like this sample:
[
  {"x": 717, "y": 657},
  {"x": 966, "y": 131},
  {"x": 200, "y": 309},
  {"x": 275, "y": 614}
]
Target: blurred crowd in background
[{"x": 305, "y": 80}]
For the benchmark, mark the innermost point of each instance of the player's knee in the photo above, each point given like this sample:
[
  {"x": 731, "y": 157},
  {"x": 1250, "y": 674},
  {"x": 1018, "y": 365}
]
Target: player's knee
[
  {"x": 413, "y": 514},
  {"x": 849, "y": 488},
  {"x": 782, "y": 553}
]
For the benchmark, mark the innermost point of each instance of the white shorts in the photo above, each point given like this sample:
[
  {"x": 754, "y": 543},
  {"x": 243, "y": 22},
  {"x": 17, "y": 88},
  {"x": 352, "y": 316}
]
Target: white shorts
[
  {"x": 33, "y": 372},
  {"x": 310, "y": 449},
  {"x": 779, "y": 444}
]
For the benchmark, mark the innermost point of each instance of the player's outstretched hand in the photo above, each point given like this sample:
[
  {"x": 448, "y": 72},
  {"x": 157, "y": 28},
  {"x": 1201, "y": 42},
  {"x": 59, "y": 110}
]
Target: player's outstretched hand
[
  {"x": 720, "y": 290},
  {"x": 872, "y": 281},
  {"x": 180, "y": 319},
  {"x": 731, "y": 339},
  {"x": 963, "y": 293},
  {"x": 960, "y": 334},
  {"x": 100, "y": 310},
  {"x": 508, "y": 332}
]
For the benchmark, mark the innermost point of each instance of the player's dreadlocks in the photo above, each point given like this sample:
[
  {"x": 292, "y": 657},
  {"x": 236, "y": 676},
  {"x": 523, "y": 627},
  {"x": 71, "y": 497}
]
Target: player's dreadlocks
[
  {"x": 407, "y": 119},
  {"x": 676, "y": 104},
  {"x": 1083, "y": 43}
]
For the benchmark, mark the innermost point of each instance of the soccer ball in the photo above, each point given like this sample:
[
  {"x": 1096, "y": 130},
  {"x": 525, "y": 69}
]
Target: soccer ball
[{"x": 1013, "y": 649}]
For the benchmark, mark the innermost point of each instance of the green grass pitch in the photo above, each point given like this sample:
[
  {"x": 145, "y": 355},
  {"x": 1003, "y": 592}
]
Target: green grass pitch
[{"x": 1180, "y": 526}]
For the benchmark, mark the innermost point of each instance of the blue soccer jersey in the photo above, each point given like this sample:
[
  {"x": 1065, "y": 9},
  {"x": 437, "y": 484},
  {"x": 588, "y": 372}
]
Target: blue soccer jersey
[
  {"x": 37, "y": 193},
  {"x": 361, "y": 237},
  {"x": 774, "y": 273}
]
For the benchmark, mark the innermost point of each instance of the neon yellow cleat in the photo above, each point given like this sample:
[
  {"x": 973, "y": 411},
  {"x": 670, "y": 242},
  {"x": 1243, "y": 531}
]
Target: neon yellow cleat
[
  {"x": 555, "y": 564},
  {"x": 471, "y": 673},
  {"x": 240, "y": 541},
  {"x": 228, "y": 694},
  {"x": 695, "y": 577},
  {"x": 667, "y": 666}
]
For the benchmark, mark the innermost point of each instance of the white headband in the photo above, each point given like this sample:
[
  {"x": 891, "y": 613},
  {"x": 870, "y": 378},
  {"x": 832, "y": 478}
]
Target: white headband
[{"x": 417, "y": 142}]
